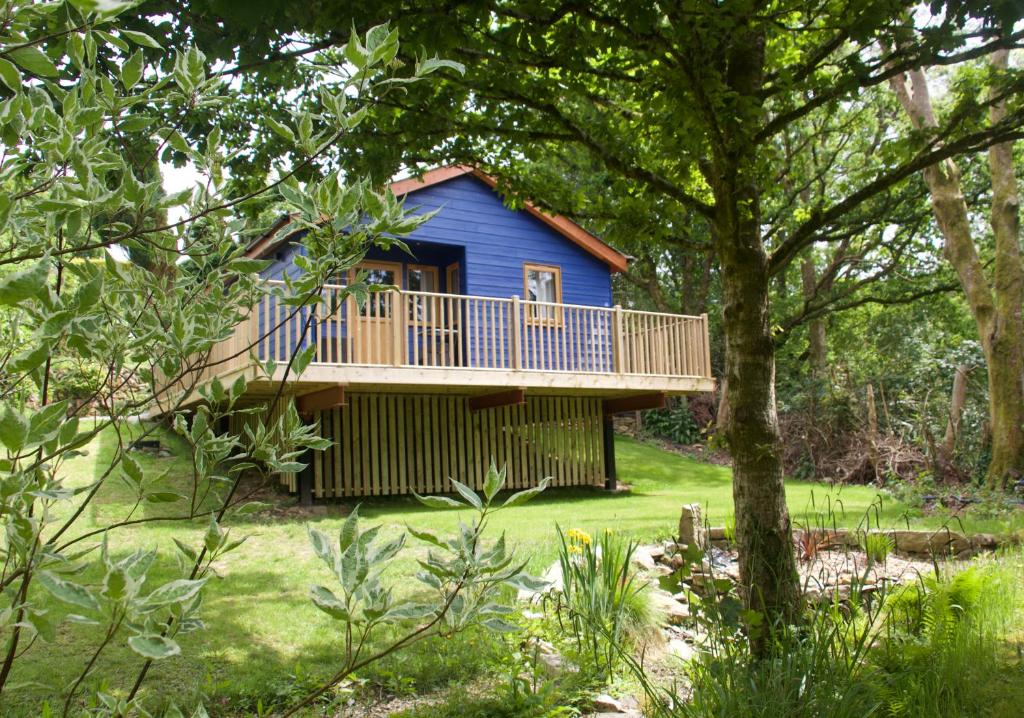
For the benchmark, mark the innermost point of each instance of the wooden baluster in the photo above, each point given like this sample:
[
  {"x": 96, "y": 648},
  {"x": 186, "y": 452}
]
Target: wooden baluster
[{"x": 514, "y": 336}]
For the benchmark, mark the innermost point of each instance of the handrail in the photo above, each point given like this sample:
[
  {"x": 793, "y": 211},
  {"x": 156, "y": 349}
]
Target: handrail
[{"x": 415, "y": 329}]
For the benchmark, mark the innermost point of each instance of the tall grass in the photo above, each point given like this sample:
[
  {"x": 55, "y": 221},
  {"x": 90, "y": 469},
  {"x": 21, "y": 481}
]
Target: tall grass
[{"x": 601, "y": 603}]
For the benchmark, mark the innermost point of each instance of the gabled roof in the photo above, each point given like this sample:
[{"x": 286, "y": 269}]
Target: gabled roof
[{"x": 564, "y": 226}]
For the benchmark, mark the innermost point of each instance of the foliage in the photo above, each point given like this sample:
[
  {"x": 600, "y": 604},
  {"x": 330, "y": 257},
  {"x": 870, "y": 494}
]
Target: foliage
[
  {"x": 877, "y": 545},
  {"x": 461, "y": 575},
  {"x": 674, "y": 422},
  {"x": 601, "y": 601},
  {"x": 927, "y": 648},
  {"x": 87, "y": 111}
]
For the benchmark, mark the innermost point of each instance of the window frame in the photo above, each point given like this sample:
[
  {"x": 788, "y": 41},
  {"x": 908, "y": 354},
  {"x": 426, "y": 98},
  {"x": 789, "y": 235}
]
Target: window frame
[{"x": 531, "y": 314}]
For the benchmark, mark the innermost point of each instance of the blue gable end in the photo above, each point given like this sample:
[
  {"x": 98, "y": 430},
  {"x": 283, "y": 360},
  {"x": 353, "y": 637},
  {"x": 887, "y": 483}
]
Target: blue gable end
[
  {"x": 491, "y": 242},
  {"x": 499, "y": 240}
]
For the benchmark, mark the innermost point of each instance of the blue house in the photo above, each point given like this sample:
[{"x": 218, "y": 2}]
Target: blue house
[{"x": 500, "y": 340}]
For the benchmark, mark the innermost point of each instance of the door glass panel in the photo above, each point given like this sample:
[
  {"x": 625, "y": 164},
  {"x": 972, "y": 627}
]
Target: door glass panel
[
  {"x": 377, "y": 303},
  {"x": 421, "y": 280}
]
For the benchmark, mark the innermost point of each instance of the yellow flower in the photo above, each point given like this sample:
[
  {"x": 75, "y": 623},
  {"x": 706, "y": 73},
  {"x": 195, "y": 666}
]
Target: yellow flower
[
  {"x": 577, "y": 536},
  {"x": 573, "y": 549}
]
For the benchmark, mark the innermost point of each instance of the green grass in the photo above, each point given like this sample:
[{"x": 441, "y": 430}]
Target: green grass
[{"x": 264, "y": 635}]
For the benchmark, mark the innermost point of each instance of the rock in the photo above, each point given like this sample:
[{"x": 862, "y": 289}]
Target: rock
[
  {"x": 676, "y": 613},
  {"x": 548, "y": 658},
  {"x": 627, "y": 714},
  {"x": 643, "y": 558},
  {"x": 656, "y": 551},
  {"x": 674, "y": 562},
  {"x": 606, "y": 703},
  {"x": 691, "y": 527},
  {"x": 681, "y": 597},
  {"x": 717, "y": 533},
  {"x": 681, "y": 649},
  {"x": 926, "y": 543},
  {"x": 985, "y": 541}
]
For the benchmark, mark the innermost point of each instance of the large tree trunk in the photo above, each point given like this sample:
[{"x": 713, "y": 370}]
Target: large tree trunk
[
  {"x": 995, "y": 306},
  {"x": 1006, "y": 351},
  {"x": 767, "y": 562},
  {"x": 764, "y": 540}
]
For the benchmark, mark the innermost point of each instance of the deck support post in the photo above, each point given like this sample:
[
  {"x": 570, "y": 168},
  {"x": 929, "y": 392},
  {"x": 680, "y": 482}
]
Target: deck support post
[
  {"x": 618, "y": 341},
  {"x": 610, "y": 478},
  {"x": 305, "y": 478}
]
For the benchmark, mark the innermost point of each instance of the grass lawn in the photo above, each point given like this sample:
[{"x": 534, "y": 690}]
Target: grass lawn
[{"x": 264, "y": 634}]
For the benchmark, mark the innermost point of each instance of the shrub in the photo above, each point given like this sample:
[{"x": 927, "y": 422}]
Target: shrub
[{"x": 674, "y": 422}]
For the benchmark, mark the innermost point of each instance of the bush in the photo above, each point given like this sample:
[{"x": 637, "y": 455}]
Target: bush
[{"x": 675, "y": 422}]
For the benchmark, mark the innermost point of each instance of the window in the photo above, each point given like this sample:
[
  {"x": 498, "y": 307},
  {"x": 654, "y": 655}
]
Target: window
[{"x": 542, "y": 283}]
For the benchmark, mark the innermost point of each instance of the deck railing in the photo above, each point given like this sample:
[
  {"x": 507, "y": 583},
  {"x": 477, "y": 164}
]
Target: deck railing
[{"x": 420, "y": 329}]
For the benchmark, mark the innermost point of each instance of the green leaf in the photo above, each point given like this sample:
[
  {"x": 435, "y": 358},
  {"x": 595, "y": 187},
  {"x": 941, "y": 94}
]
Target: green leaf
[
  {"x": 426, "y": 536},
  {"x": 34, "y": 60},
  {"x": 19, "y": 286},
  {"x": 467, "y": 493},
  {"x": 141, "y": 38},
  {"x": 349, "y": 530},
  {"x": 177, "y": 591},
  {"x": 131, "y": 467},
  {"x": 439, "y": 502},
  {"x": 89, "y": 293},
  {"x": 66, "y": 591},
  {"x": 497, "y": 624},
  {"x": 326, "y": 601},
  {"x": 131, "y": 70},
  {"x": 163, "y": 497},
  {"x": 214, "y": 535},
  {"x": 244, "y": 265},
  {"x": 522, "y": 497},
  {"x": 494, "y": 482},
  {"x": 523, "y": 582},
  {"x": 153, "y": 646},
  {"x": 10, "y": 75},
  {"x": 114, "y": 584},
  {"x": 433, "y": 64},
  {"x": 281, "y": 129},
  {"x": 321, "y": 545},
  {"x": 13, "y": 429},
  {"x": 188, "y": 551}
]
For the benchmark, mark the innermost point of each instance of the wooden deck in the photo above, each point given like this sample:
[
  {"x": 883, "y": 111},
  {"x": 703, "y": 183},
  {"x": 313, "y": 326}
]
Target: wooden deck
[{"x": 403, "y": 342}]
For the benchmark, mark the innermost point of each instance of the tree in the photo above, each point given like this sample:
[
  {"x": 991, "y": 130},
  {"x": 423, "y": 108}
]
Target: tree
[{"x": 995, "y": 299}]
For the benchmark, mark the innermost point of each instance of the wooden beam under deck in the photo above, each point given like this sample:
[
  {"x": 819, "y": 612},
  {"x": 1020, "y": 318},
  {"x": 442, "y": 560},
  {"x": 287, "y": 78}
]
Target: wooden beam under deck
[
  {"x": 322, "y": 400},
  {"x": 640, "y": 402},
  {"x": 501, "y": 398}
]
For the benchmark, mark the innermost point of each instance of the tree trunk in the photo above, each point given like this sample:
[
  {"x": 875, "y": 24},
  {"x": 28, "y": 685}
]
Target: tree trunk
[
  {"x": 764, "y": 541},
  {"x": 1006, "y": 353},
  {"x": 995, "y": 307},
  {"x": 956, "y": 410},
  {"x": 817, "y": 339}
]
